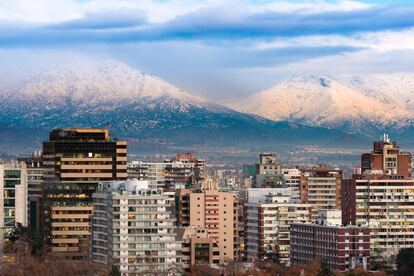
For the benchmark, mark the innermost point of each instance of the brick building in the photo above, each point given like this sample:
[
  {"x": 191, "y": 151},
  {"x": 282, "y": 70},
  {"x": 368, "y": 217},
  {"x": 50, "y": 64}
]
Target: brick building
[
  {"x": 386, "y": 158},
  {"x": 341, "y": 247}
]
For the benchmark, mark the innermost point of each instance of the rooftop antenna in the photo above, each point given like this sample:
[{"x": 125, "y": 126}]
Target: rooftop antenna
[
  {"x": 386, "y": 138},
  {"x": 111, "y": 133}
]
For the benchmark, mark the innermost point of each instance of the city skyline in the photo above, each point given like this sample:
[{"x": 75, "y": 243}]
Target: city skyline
[
  {"x": 206, "y": 137},
  {"x": 131, "y": 216}
]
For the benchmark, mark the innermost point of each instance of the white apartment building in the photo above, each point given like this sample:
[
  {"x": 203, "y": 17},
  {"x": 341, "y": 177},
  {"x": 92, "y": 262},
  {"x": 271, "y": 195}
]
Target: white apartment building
[
  {"x": 154, "y": 173},
  {"x": 35, "y": 172},
  {"x": 133, "y": 228},
  {"x": 13, "y": 198},
  {"x": 291, "y": 178},
  {"x": 184, "y": 171},
  {"x": 269, "y": 215},
  {"x": 386, "y": 207}
]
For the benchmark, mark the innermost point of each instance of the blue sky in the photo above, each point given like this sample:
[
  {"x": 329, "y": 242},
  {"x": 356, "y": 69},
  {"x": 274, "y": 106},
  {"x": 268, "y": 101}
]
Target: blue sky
[{"x": 217, "y": 49}]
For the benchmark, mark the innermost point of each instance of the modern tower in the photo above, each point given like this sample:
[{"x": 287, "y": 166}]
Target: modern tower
[{"x": 75, "y": 161}]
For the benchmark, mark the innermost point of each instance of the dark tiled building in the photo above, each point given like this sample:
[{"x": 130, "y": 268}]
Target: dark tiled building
[
  {"x": 75, "y": 160},
  {"x": 348, "y": 202},
  {"x": 341, "y": 247}
]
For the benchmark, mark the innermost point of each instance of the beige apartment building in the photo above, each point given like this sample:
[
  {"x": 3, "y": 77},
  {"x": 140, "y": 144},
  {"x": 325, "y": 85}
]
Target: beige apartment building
[
  {"x": 321, "y": 187},
  {"x": 75, "y": 160},
  {"x": 197, "y": 247},
  {"x": 215, "y": 211}
]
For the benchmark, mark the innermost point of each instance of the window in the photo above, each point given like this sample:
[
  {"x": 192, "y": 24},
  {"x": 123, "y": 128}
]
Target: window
[{"x": 202, "y": 253}]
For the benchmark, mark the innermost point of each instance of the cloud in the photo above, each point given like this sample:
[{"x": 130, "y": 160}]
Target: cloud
[
  {"x": 381, "y": 41},
  {"x": 213, "y": 48},
  {"x": 105, "y": 20},
  {"x": 215, "y": 23}
]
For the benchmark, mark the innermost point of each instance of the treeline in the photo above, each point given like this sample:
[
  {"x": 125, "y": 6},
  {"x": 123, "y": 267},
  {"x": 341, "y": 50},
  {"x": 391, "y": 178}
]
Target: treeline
[{"x": 26, "y": 255}]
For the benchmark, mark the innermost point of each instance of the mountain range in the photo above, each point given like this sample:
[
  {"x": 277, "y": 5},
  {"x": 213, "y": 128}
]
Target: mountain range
[
  {"x": 138, "y": 107},
  {"x": 365, "y": 105}
]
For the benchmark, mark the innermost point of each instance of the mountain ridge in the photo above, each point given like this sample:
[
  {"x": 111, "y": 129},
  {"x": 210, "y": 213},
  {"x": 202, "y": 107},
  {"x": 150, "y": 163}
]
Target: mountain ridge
[
  {"x": 356, "y": 104},
  {"x": 141, "y": 106}
]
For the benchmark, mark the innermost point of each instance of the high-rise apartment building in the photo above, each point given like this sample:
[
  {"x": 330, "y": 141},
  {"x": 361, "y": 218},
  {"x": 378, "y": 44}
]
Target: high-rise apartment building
[
  {"x": 340, "y": 247},
  {"x": 183, "y": 171},
  {"x": 381, "y": 199},
  {"x": 75, "y": 160},
  {"x": 384, "y": 205},
  {"x": 133, "y": 228},
  {"x": 268, "y": 216},
  {"x": 152, "y": 172},
  {"x": 13, "y": 198},
  {"x": 199, "y": 165},
  {"x": 386, "y": 158},
  {"x": 215, "y": 211},
  {"x": 291, "y": 179},
  {"x": 321, "y": 187},
  {"x": 34, "y": 166},
  {"x": 268, "y": 171}
]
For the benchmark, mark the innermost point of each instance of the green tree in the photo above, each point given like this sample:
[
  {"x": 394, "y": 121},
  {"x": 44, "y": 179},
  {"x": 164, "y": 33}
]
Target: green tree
[{"x": 405, "y": 262}]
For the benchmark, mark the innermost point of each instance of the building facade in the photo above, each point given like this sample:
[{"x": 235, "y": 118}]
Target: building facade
[
  {"x": 75, "y": 161},
  {"x": 268, "y": 216},
  {"x": 341, "y": 247},
  {"x": 183, "y": 171},
  {"x": 321, "y": 187},
  {"x": 385, "y": 206},
  {"x": 197, "y": 248},
  {"x": 133, "y": 228},
  {"x": 34, "y": 165},
  {"x": 292, "y": 180},
  {"x": 268, "y": 172},
  {"x": 381, "y": 199},
  {"x": 215, "y": 211},
  {"x": 386, "y": 158},
  {"x": 154, "y": 173},
  {"x": 13, "y": 198}
]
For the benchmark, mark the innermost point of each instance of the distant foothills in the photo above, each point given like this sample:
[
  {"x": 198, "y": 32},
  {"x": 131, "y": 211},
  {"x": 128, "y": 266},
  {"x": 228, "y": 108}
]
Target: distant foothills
[{"x": 155, "y": 116}]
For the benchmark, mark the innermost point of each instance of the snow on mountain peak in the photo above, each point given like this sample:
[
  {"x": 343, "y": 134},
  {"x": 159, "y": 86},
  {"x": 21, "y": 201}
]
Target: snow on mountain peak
[
  {"x": 350, "y": 101},
  {"x": 95, "y": 83}
]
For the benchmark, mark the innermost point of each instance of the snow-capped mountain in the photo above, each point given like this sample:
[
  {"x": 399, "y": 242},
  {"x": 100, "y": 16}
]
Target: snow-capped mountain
[
  {"x": 366, "y": 104},
  {"x": 109, "y": 83},
  {"x": 139, "y": 106}
]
